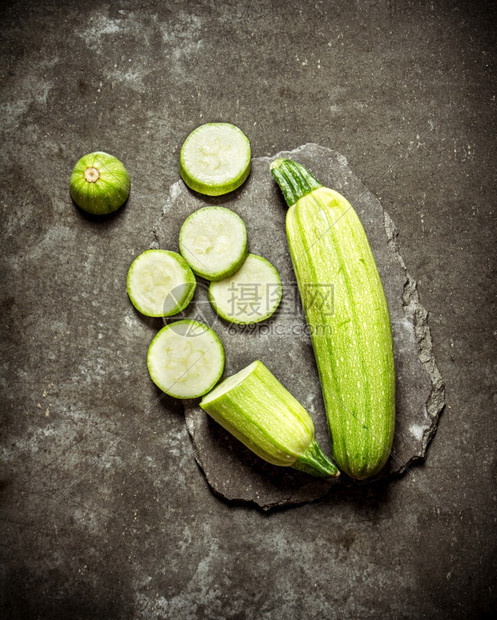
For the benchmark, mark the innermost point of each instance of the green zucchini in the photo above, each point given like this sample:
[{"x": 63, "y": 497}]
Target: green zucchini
[
  {"x": 256, "y": 409},
  {"x": 99, "y": 183},
  {"x": 352, "y": 340}
]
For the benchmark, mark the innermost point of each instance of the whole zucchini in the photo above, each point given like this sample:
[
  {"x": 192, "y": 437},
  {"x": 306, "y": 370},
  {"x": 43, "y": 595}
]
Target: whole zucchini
[{"x": 352, "y": 339}]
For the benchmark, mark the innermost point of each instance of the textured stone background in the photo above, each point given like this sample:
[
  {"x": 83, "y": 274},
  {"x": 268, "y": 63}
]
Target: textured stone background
[{"x": 104, "y": 511}]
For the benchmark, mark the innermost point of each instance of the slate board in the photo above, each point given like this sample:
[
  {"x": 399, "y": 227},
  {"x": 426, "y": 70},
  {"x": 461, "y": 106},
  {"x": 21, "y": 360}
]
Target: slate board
[{"x": 283, "y": 342}]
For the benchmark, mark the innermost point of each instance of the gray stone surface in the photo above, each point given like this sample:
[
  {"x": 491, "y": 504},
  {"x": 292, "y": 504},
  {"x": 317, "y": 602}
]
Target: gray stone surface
[
  {"x": 104, "y": 513},
  {"x": 283, "y": 343}
]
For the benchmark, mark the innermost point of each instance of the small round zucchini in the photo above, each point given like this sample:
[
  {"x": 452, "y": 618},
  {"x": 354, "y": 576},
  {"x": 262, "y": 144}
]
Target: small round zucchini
[
  {"x": 99, "y": 183},
  {"x": 186, "y": 359}
]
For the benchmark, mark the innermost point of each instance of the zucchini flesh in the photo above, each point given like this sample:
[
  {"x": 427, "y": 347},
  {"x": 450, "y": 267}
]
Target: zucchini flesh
[
  {"x": 352, "y": 341},
  {"x": 160, "y": 283},
  {"x": 215, "y": 159},
  {"x": 185, "y": 359},
  {"x": 213, "y": 241},
  {"x": 256, "y": 409},
  {"x": 251, "y": 295}
]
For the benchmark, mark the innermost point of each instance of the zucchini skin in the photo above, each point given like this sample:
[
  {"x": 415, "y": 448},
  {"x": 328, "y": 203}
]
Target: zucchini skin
[
  {"x": 269, "y": 421},
  {"x": 108, "y": 193},
  {"x": 352, "y": 341}
]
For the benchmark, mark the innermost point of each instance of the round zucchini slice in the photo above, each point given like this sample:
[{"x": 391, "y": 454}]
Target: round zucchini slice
[
  {"x": 160, "y": 283},
  {"x": 251, "y": 295},
  {"x": 213, "y": 241},
  {"x": 186, "y": 359},
  {"x": 215, "y": 159}
]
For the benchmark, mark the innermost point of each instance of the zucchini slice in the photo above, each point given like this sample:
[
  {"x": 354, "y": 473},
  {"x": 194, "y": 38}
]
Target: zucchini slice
[
  {"x": 213, "y": 241},
  {"x": 251, "y": 295},
  {"x": 185, "y": 359},
  {"x": 256, "y": 409},
  {"x": 160, "y": 283},
  {"x": 215, "y": 159}
]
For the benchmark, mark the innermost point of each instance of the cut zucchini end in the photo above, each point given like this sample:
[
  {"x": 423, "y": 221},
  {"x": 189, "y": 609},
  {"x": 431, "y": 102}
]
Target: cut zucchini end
[
  {"x": 213, "y": 241},
  {"x": 229, "y": 383},
  {"x": 260, "y": 412},
  {"x": 249, "y": 296},
  {"x": 160, "y": 283},
  {"x": 215, "y": 159},
  {"x": 186, "y": 359}
]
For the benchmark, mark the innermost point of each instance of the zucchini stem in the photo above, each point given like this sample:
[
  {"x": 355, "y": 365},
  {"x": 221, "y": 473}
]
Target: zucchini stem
[
  {"x": 92, "y": 174},
  {"x": 294, "y": 180},
  {"x": 315, "y": 462}
]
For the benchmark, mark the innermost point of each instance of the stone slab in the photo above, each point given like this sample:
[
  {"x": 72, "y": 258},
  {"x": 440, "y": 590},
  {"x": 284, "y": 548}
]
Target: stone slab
[{"x": 283, "y": 342}]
